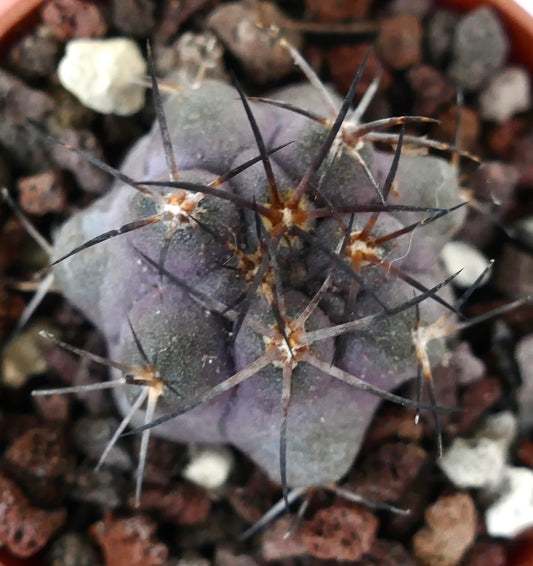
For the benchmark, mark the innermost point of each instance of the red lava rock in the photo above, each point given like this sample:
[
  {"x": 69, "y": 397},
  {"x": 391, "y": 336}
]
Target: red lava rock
[
  {"x": 129, "y": 541},
  {"x": 7, "y": 559},
  {"x": 236, "y": 26},
  {"x": 386, "y": 474},
  {"x": 524, "y": 451},
  {"x": 23, "y": 143},
  {"x": 25, "y": 529},
  {"x": 399, "y": 42},
  {"x": 89, "y": 177},
  {"x": 485, "y": 553},
  {"x": 175, "y": 12},
  {"x": 277, "y": 546},
  {"x": 502, "y": 137},
  {"x": 520, "y": 551},
  {"x": 164, "y": 462},
  {"x": 470, "y": 127},
  {"x": 476, "y": 399},
  {"x": 387, "y": 553},
  {"x": 418, "y": 8},
  {"x": 71, "y": 549},
  {"x": 335, "y": 10},
  {"x": 74, "y": 18},
  {"x": 344, "y": 531},
  {"x": 42, "y": 193},
  {"x": 440, "y": 31},
  {"x": 228, "y": 557},
  {"x": 39, "y": 459},
  {"x": 393, "y": 423},
  {"x": 522, "y": 158},
  {"x": 493, "y": 181},
  {"x": 11, "y": 307},
  {"x": 134, "y": 17},
  {"x": 53, "y": 408},
  {"x": 253, "y": 500},
  {"x": 514, "y": 272},
  {"x": 450, "y": 531},
  {"x": 344, "y": 62},
  {"x": 431, "y": 89},
  {"x": 36, "y": 54},
  {"x": 183, "y": 504}
]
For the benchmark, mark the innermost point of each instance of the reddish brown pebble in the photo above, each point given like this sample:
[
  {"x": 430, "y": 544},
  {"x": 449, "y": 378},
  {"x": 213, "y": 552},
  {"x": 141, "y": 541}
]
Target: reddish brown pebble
[
  {"x": 335, "y": 10},
  {"x": 262, "y": 56},
  {"x": 431, "y": 89},
  {"x": 134, "y": 17},
  {"x": 36, "y": 54},
  {"x": 344, "y": 62},
  {"x": 470, "y": 127},
  {"x": 514, "y": 272},
  {"x": 129, "y": 541},
  {"x": 25, "y": 529},
  {"x": 522, "y": 157},
  {"x": 387, "y": 553},
  {"x": 450, "y": 531},
  {"x": 88, "y": 176},
  {"x": 39, "y": 459},
  {"x": 253, "y": 500},
  {"x": 399, "y": 42},
  {"x": 74, "y": 18},
  {"x": 520, "y": 551},
  {"x": 502, "y": 137},
  {"x": 183, "y": 504},
  {"x": 485, "y": 553},
  {"x": 53, "y": 408},
  {"x": 11, "y": 307},
  {"x": 277, "y": 546},
  {"x": 393, "y": 423},
  {"x": 385, "y": 475},
  {"x": 229, "y": 557},
  {"x": 344, "y": 531},
  {"x": 42, "y": 193},
  {"x": 524, "y": 452},
  {"x": 477, "y": 398}
]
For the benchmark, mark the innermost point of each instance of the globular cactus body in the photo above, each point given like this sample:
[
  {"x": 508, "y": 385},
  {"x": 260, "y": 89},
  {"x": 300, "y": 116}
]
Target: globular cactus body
[{"x": 192, "y": 348}]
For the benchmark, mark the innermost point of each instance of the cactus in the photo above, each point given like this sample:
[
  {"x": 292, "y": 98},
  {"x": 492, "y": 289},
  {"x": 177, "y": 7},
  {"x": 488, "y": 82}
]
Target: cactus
[{"x": 258, "y": 280}]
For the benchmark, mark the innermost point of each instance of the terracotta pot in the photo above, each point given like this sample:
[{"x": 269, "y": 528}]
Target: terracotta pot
[{"x": 15, "y": 16}]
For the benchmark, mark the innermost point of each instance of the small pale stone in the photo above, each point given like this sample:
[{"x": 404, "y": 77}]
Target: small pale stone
[
  {"x": 450, "y": 531},
  {"x": 461, "y": 255},
  {"x": 508, "y": 93},
  {"x": 480, "y": 48},
  {"x": 209, "y": 467},
  {"x": 105, "y": 74},
  {"x": 476, "y": 463},
  {"x": 524, "y": 357},
  {"x": 479, "y": 462},
  {"x": 512, "y": 512},
  {"x": 24, "y": 356}
]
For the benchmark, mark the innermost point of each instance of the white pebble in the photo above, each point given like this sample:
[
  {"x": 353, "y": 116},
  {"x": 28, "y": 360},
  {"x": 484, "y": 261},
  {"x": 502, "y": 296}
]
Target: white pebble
[
  {"x": 476, "y": 463},
  {"x": 507, "y": 93},
  {"x": 209, "y": 467},
  {"x": 461, "y": 255},
  {"x": 512, "y": 511},
  {"x": 480, "y": 462},
  {"x": 104, "y": 74}
]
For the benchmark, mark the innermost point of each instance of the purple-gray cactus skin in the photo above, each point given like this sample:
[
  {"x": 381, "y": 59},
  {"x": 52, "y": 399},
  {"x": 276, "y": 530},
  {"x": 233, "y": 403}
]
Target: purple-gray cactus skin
[{"x": 189, "y": 340}]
